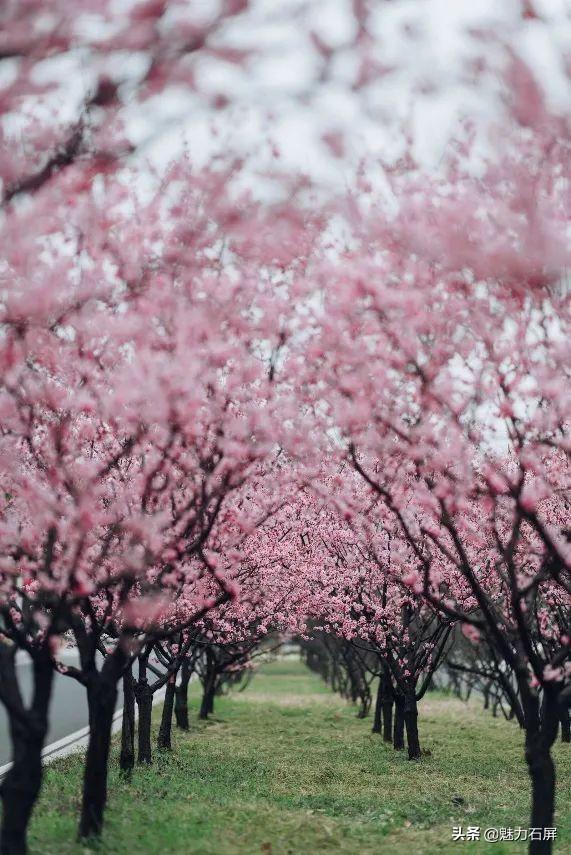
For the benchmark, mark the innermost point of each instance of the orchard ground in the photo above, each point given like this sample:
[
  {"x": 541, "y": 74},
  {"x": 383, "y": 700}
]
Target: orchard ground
[{"x": 285, "y": 767}]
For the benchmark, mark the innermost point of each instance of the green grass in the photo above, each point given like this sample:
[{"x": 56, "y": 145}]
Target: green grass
[{"x": 286, "y": 767}]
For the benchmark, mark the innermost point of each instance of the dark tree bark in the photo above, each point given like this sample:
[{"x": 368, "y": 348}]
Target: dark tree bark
[
  {"x": 203, "y": 711},
  {"x": 28, "y": 729},
  {"x": 181, "y": 696},
  {"x": 565, "y": 720},
  {"x": 388, "y": 700},
  {"x": 377, "y": 717},
  {"x": 486, "y": 693},
  {"x": 398, "y": 730},
  {"x": 410, "y": 712},
  {"x": 144, "y": 699},
  {"x": 164, "y": 739},
  {"x": 388, "y": 722},
  {"x": 207, "y": 703},
  {"x": 540, "y": 734},
  {"x": 127, "y": 756},
  {"x": 101, "y": 700}
]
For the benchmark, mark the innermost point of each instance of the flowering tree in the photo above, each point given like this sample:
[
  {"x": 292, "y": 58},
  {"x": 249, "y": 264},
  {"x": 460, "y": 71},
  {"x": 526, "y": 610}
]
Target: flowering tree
[
  {"x": 388, "y": 628},
  {"x": 458, "y": 419},
  {"x": 59, "y": 463},
  {"x": 126, "y": 422},
  {"x": 221, "y": 642}
]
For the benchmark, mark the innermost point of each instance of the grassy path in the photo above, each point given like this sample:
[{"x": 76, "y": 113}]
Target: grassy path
[{"x": 286, "y": 768}]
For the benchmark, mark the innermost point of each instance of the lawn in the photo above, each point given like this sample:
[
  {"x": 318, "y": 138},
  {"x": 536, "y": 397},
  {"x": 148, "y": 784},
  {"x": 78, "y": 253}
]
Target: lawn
[{"x": 286, "y": 767}]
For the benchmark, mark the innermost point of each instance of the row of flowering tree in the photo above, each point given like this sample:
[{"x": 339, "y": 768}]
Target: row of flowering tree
[
  {"x": 138, "y": 412},
  {"x": 220, "y": 418},
  {"x": 444, "y": 356},
  {"x": 140, "y": 323}
]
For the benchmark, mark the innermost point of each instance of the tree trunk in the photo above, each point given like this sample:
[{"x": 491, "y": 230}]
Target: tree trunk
[
  {"x": 411, "y": 721},
  {"x": 181, "y": 697},
  {"x": 486, "y": 693},
  {"x": 101, "y": 700},
  {"x": 388, "y": 699},
  {"x": 164, "y": 740},
  {"x": 377, "y": 718},
  {"x": 565, "y": 720},
  {"x": 207, "y": 704},
  {"x": 203, "y": 711},
  {"x": 540, "y": 734},
  {"x": 388, "y": 721},
  {"x": 398, "y": 731},
  {"x": 542, "y": 773},
  {"x": 127, "y": 756},
  {"x": 144, "y": 698},
  {"x": 21, "y": 786}
]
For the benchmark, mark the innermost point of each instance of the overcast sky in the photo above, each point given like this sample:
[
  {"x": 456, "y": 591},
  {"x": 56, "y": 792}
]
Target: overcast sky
[
  {"x": 278, "y": 100},
  {"x": 425, "y": 43}
]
